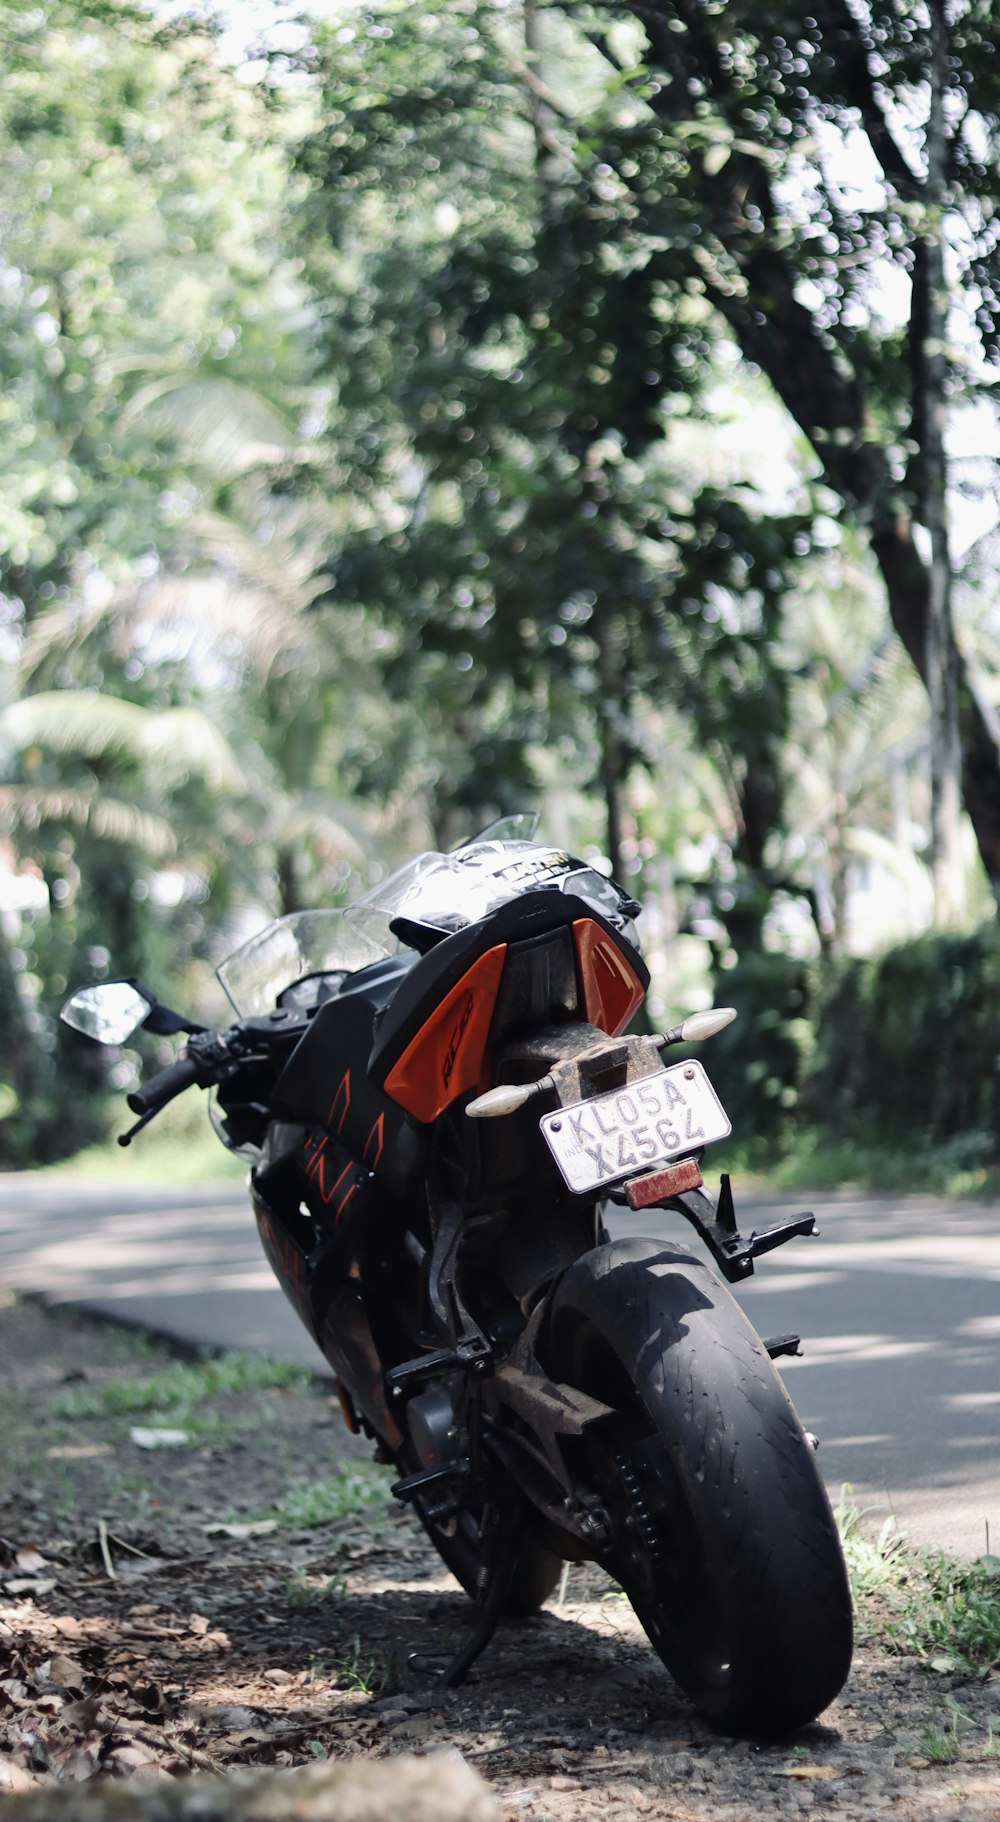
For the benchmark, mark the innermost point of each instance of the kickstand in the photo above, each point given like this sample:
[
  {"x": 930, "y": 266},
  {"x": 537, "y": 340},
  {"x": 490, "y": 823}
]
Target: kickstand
[{"x": 489, "y": 1618}]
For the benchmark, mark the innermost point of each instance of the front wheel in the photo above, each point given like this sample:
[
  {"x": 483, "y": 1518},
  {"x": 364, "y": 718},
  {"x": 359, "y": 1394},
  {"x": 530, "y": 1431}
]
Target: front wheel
[{"x": 720, "y": 1530}]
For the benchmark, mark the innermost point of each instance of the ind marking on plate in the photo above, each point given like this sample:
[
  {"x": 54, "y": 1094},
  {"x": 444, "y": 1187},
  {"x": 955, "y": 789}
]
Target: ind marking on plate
[{"x": 629, "y": 1129}]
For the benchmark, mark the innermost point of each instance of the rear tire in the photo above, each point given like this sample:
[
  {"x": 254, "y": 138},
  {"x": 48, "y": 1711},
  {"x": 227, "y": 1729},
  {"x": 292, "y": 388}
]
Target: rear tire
[{"x": 721, "y": 1530}]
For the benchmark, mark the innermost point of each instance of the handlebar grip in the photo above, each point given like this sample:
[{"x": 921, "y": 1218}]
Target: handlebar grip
[{"x": 163, "y": 1087}]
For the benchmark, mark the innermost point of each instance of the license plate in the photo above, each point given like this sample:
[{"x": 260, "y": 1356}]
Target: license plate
[{"x": 631, "y": 1129}]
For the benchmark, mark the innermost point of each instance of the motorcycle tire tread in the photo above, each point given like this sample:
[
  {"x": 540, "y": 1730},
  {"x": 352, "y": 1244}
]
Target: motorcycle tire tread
[{"x": 713, "y": 1418}]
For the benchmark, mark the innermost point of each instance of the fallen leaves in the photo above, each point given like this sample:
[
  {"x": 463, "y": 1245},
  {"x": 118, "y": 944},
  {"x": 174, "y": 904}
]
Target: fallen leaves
[
  {"x": 810, "y": 1773},
  {"x": 200, "y": 1651},
  {"x": 158, "y": 1439}
]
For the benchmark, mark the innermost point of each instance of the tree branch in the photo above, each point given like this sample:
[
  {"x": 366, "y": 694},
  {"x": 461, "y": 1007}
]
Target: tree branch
[{"x": 860, "y": 92}]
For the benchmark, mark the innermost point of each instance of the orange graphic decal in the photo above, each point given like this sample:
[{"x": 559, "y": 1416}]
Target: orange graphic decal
[
  {"x": 345, "y": 1091},
  {"x": 345, "y": 1198},
  {"x": 316, "y": 1174},
  {"x": 374, "y": 1143},
  {"x": 611, "y": 989},
  {"x": 446, "y": 1056}
]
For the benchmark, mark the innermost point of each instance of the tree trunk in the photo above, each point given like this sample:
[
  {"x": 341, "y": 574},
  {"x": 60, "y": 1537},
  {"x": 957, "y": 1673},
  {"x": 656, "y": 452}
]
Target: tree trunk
[
  {"x": 754, "y": 286},
  {"x": 609, "y": 740},
  {"x": 930, "y": 327}
]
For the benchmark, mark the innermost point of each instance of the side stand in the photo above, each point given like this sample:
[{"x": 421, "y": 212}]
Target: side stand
[{"x": 490, "y": 1613}]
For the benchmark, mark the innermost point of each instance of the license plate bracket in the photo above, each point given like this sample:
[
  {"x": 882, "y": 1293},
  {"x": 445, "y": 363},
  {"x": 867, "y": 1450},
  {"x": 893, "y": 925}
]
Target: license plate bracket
[{"x": 628, "y": 1130}]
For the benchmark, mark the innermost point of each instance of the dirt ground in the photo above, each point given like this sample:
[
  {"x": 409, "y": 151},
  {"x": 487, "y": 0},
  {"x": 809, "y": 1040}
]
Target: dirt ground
[{"x": 177, "y": 1607}]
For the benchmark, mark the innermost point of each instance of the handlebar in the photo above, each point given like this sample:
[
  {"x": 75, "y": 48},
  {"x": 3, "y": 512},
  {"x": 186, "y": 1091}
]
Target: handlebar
[
  {"x": 208, "y": 1057},
  {"x": 165, "y": 1086}
]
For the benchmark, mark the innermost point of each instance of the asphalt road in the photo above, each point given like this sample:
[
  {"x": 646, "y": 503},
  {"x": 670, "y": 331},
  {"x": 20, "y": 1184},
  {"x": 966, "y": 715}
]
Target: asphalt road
[{"x": 897, "y": 1302}]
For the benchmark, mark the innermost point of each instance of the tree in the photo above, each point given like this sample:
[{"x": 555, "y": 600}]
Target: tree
[
  {"x": 510, "y": 368},
  {"x": 140, "y": 190},
  {"x": 808, "y": 156}
]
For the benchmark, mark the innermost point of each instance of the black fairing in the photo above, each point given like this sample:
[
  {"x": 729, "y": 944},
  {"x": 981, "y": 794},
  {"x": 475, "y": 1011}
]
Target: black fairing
[
  {"x": 436, "y": 973},
  {"x": 326, "y": 1079}
]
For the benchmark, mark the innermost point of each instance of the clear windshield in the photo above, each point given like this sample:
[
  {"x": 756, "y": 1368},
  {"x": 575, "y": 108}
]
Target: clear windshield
[
  {"x": 444, "y": 892},
  {"x": 304, "y": 943}
]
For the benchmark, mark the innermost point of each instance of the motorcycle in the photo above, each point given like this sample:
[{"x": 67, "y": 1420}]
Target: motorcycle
[{"x": 439, "y": 1104}]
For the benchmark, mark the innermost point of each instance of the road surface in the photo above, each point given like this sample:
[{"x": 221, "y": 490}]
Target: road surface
[{"x": 897, "y": 1302}]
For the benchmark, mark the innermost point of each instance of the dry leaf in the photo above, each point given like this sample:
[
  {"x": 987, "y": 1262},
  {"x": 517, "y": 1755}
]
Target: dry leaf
[
  {"x": 66, "y": 1673},
  {"x": 30, "y": 1560},
  {"x": 811, "y": 1771},
  {"x": 260, "y": 1528},
  {"x": 14, "y": 1776},
  {"x": 159, "y": 1439}
]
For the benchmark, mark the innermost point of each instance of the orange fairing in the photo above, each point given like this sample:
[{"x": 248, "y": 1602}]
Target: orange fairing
[
  {"x": 445, "y": 1059},
  {"x": 611, "y": 989}
]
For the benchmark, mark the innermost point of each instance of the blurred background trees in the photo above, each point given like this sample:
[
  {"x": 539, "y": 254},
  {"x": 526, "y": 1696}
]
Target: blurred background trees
[{"x": 432, "y": 409}]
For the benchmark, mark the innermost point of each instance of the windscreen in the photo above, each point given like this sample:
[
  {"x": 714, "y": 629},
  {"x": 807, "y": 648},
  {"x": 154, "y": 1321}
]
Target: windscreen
[
  {"x": 444, "y": 892},
  {"x": 305, "y": 942}
]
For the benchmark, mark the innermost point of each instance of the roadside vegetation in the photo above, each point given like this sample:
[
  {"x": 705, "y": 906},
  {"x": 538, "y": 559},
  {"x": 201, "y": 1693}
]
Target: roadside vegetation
[
  {"x": 922, "y": 1603},
  {"x": 338, "y": 514},
  {"x": 200, "y": 1568}
]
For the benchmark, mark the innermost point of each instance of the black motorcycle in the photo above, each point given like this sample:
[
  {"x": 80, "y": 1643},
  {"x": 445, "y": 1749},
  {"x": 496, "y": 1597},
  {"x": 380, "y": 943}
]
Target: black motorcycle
[{"x": 438, "y": 1105}]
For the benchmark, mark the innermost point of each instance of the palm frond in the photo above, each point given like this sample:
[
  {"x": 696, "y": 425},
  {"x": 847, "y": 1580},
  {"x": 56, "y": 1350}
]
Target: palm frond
[
  {"x": 893, "y": 856},
  {"x": 25, "y": 810},
  {"x": 315, "y": 825},
  {"x": 177, "y": 742},
  {"x": 226, "y": 427}
]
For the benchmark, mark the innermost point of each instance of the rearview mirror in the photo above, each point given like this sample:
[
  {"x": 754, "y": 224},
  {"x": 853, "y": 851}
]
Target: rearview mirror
[{"x": 109, "y": 1012}]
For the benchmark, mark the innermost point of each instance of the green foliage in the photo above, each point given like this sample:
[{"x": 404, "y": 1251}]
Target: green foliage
[
  {"x": 514, "y": 360},
  {"x": 924, "y": 1604},
  {"x": 360, "y": 1671},
  {"x": 132, "y": 201},
  {"x": 141, "y": 190},
  {"x": 908, "y": 1050},
  {"x": 303, "y": 1590},
  {"x": 181, "y": 1389},
  {"x": 759, "y": 1063},
  {"x": 327, "y": 1502},
  {"x": 956, "y": 1737}
]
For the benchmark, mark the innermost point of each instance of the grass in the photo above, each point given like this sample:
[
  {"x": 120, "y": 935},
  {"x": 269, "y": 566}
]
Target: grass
[
  {"x": 326, "y": 1502},
  {"x": 302, "y": 1590},
  {"x": 362, "y": 1673},
  {"x": 922, "y": 1603},
  {"x": 177, "y": 1393},
  {"x": 955, "y": 1738},
  {"x": 809, "y": 1160}
]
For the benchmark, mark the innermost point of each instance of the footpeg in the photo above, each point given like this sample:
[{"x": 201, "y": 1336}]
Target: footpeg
[
  {"x": 770, "y": 1237},
  {"x": 784, "y": 1344},
  {"x": 471, "y": 1357},
  {"x": 428, "y": 1477}
]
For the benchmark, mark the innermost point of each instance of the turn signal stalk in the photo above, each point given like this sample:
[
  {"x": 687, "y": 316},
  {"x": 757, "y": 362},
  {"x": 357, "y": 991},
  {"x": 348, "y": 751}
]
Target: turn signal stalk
[{"x": 700, "y": 1025}]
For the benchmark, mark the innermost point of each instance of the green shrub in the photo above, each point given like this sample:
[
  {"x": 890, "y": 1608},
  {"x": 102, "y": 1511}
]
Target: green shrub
[
  {"x": 908, "y": 1047},
  {"x": 758, "y": 1064}
]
